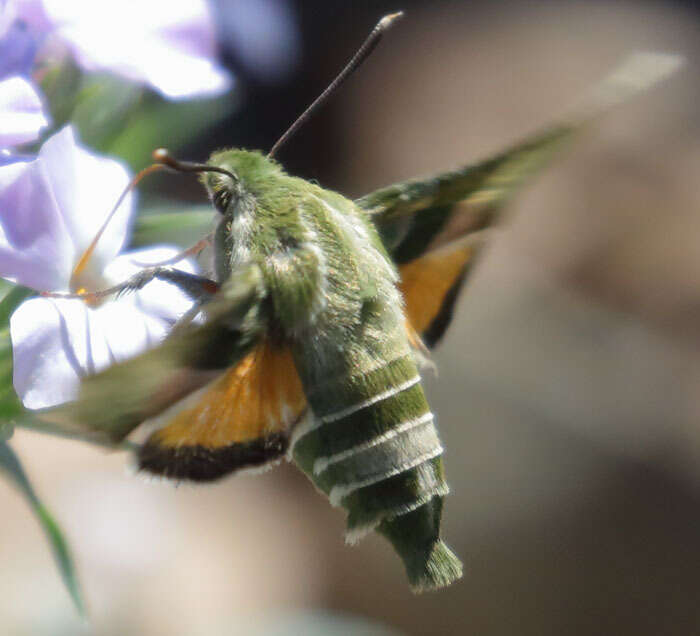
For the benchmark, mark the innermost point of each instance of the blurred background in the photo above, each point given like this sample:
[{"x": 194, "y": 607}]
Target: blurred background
[{"x": 568, "y": 395}]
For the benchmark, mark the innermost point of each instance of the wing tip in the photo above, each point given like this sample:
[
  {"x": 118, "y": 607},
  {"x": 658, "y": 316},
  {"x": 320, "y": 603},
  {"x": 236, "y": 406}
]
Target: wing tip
[{"x": 636, "y": 73}]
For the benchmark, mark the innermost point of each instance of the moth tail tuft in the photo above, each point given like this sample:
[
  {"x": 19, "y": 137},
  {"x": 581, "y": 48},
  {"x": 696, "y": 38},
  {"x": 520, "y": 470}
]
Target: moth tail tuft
[
  {"x": 429, "y": 563},
  {"x": 439, "y": 569}
]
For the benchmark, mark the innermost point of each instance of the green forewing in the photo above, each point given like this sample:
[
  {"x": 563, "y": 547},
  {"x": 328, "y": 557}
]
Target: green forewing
[
  {"x": 112, "y": 403},
  {"x": 420, "y": 219},
  {"x": 421, "y": 214}
]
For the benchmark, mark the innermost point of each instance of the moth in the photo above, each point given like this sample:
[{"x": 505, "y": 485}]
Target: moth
[{"x": 310, "y": 339}]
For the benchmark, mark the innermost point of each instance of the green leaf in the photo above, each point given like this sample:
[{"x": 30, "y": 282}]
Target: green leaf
[
  {"x": 10, "y": 405},
  {"x": 11, "y": 466},
  {"x": 5, "y": 286},
  {"x": 181, "y": 228},
  {"x": 7, "y": 429},
  {"x": 61, "y": 86},
  {"x": 158, "y": 122},
  {"x": 103, "y": 107},
  {"x": 11, "y": 299}
]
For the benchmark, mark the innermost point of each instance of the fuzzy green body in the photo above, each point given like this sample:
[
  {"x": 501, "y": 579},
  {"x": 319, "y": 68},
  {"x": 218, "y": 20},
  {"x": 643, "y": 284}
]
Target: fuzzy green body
[{"x": 368, "y": 440}]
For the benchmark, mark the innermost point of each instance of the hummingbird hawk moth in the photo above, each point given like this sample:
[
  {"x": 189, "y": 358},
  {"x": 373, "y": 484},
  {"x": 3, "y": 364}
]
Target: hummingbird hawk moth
[{"x": 310, "y": 338}]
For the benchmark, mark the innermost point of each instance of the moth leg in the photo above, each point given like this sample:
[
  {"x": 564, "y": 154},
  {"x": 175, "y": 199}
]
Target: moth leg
[{"x": 198, "y": 288}]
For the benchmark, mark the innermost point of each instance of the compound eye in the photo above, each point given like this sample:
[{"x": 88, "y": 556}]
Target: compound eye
[{"x": 221, "y": 200}]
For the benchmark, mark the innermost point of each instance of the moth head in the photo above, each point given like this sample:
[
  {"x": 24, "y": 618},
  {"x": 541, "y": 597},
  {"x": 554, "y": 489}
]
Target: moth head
[
  {"x": 221, "y": 181},
  {"x": 237, "y": 172},
  {"x": 224, "y": 189}
]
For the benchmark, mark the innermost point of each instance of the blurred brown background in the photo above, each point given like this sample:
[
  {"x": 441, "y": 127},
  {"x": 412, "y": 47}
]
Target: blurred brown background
[{"x": 568, "y": 391}]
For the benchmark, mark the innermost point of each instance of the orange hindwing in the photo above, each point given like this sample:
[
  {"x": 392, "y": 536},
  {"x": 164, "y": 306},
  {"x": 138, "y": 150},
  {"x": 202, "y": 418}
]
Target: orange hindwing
[
  {"x": 242, "y": 419},
  {"x": 430, "y": 285}
]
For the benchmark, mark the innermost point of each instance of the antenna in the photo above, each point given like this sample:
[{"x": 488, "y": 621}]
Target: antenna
[{"x": 362, "y": 54}]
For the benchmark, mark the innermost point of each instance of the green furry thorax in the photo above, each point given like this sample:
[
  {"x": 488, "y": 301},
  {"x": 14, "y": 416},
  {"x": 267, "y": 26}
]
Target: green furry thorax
[
  {"x": 317, "y": 249},
  {"x": 272, "y": 199}
]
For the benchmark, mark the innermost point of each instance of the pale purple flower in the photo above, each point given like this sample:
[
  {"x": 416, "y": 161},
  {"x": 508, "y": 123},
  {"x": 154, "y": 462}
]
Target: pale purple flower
[
  {"x": 262, "y": 36},
  {"x": 22, "y": 28},
  {"x": 21, "y": 113},
  {"x": 50, "y": 210},
  {"x": 169, "y": 46}
]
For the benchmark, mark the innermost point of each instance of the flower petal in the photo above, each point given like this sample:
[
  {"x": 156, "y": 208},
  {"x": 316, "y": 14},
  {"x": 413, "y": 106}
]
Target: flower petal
[
  {"x": 23, "y": 26},
  {"x": 86, "y": 187},
  {"x": 177, "y": 75},
  {"x": 171, "y": 44},
  {"x": 263, "y": 36},
  {"x": 45, "y": 370},
  {"x": 21, "y": 112},
  {"x": 17, "y": 52},
  {"x": 117, "y": 331},
  {"x": 35, "y": 247},
  {"x": 56, "y": 342},
  {"x": 27, "y": 15},
  {"x": 7, "y": 157}
]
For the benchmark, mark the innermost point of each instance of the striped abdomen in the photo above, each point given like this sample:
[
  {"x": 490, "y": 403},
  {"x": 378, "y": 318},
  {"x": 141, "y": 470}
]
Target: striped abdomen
[{"x": 372, "y": 447}]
